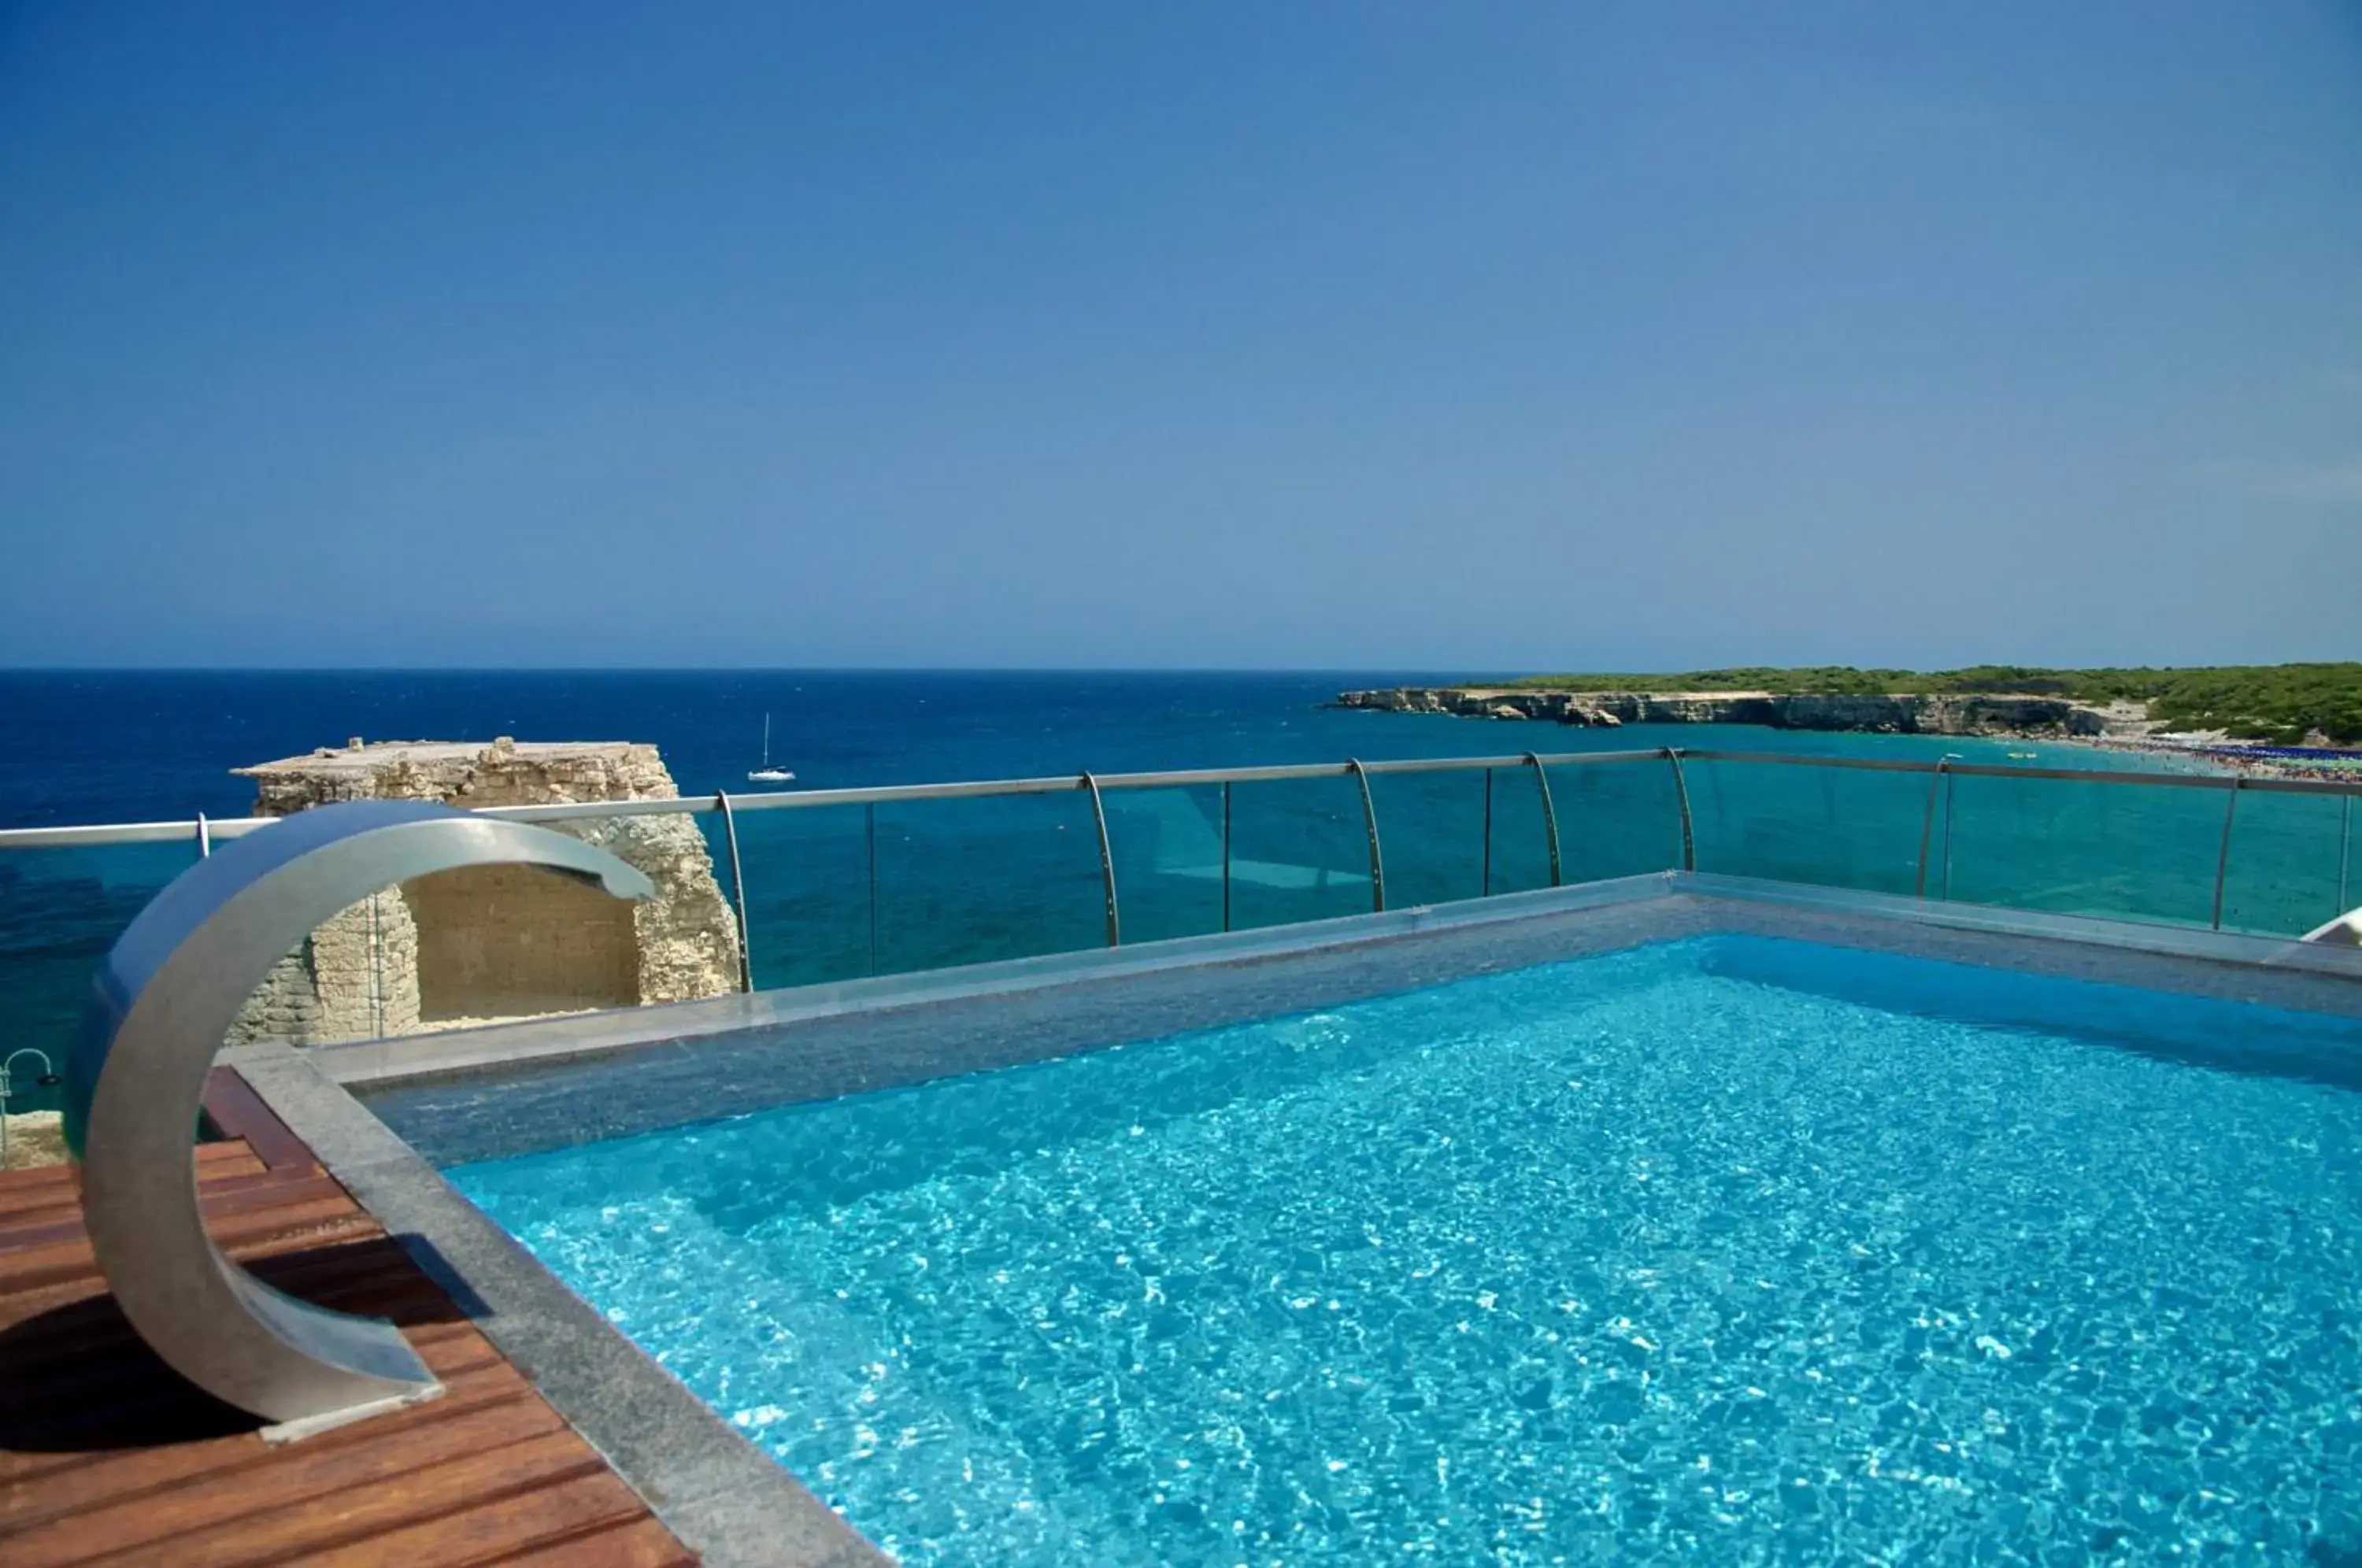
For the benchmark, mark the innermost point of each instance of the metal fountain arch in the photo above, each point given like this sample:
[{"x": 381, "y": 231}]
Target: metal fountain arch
[{"x": 163, "y": 999}]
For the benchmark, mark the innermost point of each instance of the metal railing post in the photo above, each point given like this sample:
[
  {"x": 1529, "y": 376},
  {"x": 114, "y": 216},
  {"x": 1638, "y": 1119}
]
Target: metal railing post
[
  {"x": 1949, "y": 785},
  {"x": 1226, "y": 855},
  {"x": 1927, "y": 823},
  {"x": 204, "y": 837},
  {"x": 2344, "y": 857},
  {"x": 1485, "y": 881},
  {"x": 1370, "y": 821},
  {"x": 2222, "y": 859},
  {"x": 869, "y": 834},
  {"x": 1681, "y": 794},
  {"x": 1549, "y": 813},
  {"x": 737, "y": 893},
  {"x": 1107, "y": 862}
]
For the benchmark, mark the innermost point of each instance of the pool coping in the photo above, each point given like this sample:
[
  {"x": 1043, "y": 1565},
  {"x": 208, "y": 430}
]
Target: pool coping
[{"x": 732, "y": 1502}]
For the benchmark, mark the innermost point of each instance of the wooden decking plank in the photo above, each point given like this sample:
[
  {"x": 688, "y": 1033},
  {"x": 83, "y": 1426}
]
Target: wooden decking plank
[
  {"x": 350, "y": 1516},
  {"x": 39, "y": 1187},
  {"x": 105, "y": 1455},
  {"x": 565, "y": 1515},
  {"x": 174, "y": 1416},
  {"x": 642, "y": 1544},
  {"x": 259, "y": 1256},
  {"x": 234, "y": 1106},
  {"x": 217, "y": 1201},
  {"x": 47, "y": 1185},
  {"x": 121, "y": 1477},
  {"x": 60, "y": 1263},
  {"x": 95, "y": 1349},
  {"x": 312, "y": 1497},
  {"x": 449, "y": 1351}
]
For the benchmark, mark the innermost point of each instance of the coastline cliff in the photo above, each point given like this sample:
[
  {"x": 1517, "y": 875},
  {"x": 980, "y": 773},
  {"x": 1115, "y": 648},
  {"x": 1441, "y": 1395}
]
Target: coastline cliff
[{"x": 1948, "y": 713}]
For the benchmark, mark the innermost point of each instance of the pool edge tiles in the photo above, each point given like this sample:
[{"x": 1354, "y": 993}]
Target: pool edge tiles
[{"x": 1985, "y": 1344}]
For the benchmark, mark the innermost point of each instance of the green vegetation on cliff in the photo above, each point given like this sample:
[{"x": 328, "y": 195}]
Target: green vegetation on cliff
[{"x": 2280, "y": 703}]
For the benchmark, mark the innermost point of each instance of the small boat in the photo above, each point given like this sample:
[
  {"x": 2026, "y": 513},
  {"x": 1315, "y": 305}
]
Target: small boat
[
  {"x": 2023, "y": 755},
  {"x": 766, "y": 774}
]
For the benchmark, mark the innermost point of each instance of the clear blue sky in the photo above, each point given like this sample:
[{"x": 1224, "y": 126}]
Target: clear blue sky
[{"x": 1375, "y": 335}]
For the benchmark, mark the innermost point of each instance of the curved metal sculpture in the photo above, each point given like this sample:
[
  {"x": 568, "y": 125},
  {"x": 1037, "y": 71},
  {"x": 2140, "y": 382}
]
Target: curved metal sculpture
[
  {"x": 2346, "y": 930},
  {"x": 163, "y": 999}
]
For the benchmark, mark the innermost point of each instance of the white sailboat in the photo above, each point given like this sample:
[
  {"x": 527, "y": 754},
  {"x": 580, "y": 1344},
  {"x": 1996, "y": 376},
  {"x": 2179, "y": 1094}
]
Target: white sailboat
[{"x": 766, "y": 774}]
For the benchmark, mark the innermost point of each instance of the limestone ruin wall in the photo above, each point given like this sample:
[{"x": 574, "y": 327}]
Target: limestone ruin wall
[{"x": 500, "y": 941}]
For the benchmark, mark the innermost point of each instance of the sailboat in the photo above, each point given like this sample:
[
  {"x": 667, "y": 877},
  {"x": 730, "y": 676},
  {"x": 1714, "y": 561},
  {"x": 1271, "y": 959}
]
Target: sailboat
[{"x": 766, "y": 774}]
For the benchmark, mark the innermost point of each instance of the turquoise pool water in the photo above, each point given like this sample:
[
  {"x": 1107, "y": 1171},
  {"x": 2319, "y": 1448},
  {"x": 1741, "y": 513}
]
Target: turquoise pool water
[{"x": 1727, "y": 1250}]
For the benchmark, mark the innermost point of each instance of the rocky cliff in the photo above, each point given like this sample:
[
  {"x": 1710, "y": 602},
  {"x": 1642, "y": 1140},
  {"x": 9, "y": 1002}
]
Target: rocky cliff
[{"x": 1997, "y": 713}]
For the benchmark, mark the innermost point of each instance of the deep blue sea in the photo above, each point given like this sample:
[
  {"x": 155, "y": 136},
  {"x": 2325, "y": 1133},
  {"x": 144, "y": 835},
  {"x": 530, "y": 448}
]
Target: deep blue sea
[
  {"x": 840, "y": 892},
  {"x": 77, "y": 748}
]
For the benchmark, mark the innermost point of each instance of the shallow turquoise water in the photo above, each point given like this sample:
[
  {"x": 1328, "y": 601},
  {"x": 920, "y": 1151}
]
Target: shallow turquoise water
[{"x": 1727, "y": 1250}]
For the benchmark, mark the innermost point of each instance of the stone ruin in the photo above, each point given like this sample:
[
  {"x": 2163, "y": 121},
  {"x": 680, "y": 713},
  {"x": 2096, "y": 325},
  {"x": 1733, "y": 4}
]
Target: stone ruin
[{"x": 498, "y": 942}]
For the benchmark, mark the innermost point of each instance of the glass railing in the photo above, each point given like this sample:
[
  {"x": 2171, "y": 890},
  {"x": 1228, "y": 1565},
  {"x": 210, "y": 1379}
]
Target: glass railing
[
  {"x": 61, "y": 907},
  {"x": 796, "y": 887}
]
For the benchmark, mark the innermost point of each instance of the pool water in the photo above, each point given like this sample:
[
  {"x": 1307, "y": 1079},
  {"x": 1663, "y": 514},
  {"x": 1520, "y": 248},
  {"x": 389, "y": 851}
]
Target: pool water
[{"x": 1729, "y": 1249}]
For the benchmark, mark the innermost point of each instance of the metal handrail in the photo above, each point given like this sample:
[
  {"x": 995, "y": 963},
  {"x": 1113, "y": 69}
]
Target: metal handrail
[
  {"x": 1107, "y": 864},
  {"x": 187, "y": 830},
  {"x": 1370, "y": 823},
  {"x": 1996, "y": 770},
  {"x": 2345, "y": 852},
  {"x": 68, "y": 837},
  {"x": 1927, "y": 826},
  {"x": 1682, "y": 797},
  {"x": 204, "y": 830},
  {"x": 2222, "y": 859},
  {"x": 1549, "y": 813},
  {"x": 737, "y": 893}
]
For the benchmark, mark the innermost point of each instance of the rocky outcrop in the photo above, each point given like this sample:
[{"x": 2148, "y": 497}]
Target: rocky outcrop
[
  {"x": 497, "y": 941},
  {"x": 1971, "y": 714}
]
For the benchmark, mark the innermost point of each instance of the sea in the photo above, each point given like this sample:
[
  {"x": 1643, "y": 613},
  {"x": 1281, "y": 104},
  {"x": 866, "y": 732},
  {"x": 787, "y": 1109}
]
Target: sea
[
  {"x": 841, "y": 892},
  {"x": 133, "y": 746}
]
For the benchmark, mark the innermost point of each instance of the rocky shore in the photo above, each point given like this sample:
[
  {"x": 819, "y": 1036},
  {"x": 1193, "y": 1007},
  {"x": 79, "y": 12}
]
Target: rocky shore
[
  {"x": 1998, "y": 714},
  {"x": 2213, "y": 751}
]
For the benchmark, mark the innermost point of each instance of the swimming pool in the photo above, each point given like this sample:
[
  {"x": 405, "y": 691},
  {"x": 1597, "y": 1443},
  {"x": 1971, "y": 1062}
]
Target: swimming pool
[{"x": 1728, "y": 1246}]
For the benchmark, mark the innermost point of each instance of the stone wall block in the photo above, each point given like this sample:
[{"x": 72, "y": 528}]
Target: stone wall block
[{"x": 487, "y": 943}]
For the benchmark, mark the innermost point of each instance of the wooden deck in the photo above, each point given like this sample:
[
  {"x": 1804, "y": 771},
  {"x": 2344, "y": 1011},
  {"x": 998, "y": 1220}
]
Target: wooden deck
[{"x": 108, "y": 1456}]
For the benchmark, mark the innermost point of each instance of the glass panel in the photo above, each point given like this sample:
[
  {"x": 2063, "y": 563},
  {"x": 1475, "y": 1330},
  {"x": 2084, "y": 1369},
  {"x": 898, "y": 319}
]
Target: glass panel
[
  {"x": 1168, "y": 860},
  {"x": 1838, "y": 827},
  {"x": 808, "y": 905},
  {"x": 2292, "y": 863},
  {"x": 2077, "y": 847},
  {"x": 1432, "y": 828},
  {"x": 1519, "y": 845},
  {"x": 60, "y": 910},
  {"x": 1298, "y": 851},
  {"x": 967, "y": 881},
  {"x": 1616, "y": 818}
]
